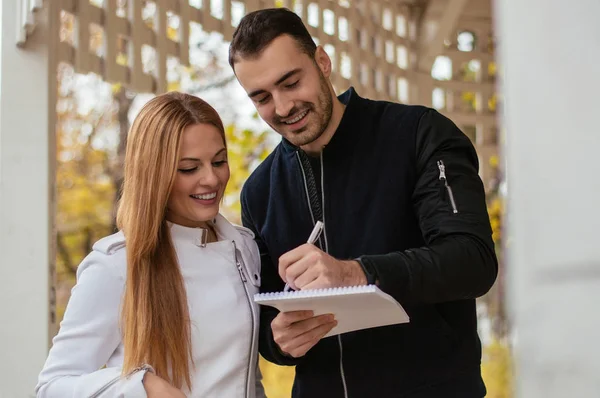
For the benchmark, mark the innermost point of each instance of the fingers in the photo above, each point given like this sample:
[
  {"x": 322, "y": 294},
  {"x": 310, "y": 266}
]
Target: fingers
[
  {"x": 296, "y": 338},
  {"x": 285, "y": 329},
  {"x": 317, "y": 283},
  {"x": 295, "y": 254},
  {"x": 302, "y": 281},
  {"x": 285, "y": 319},
  {"x": 157, "y": 387},
  {"x": 314, "y": 334},
  {"x": 294, "y": 270},
  {"x": 317, "y": 335},
  {"x": 298, "y": 261}
]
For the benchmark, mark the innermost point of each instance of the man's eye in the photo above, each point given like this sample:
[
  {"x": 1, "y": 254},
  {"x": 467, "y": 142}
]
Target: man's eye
[
  {"x": 292, "y": 85},
  {"x": 263, "y": 99}
]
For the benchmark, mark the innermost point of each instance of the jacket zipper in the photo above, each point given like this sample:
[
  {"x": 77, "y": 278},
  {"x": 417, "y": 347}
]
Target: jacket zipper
[
  {"x": 243, "y": 278},
  {"x": 312, "y": 216},
  {"x": 339, "y": 337},
  {"x": 442, "y": 167}
]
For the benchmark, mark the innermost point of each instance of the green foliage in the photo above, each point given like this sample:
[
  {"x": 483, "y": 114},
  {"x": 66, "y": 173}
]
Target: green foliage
[
  {"x": 497, "y": 369},
  {"x": 84, "y": 176},
  {"x": 89, "y": 172},
  {"x": 245, "y": 149}
]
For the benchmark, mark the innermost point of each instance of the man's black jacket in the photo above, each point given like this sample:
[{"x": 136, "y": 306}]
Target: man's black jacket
[{"x": 400, "y": 189}]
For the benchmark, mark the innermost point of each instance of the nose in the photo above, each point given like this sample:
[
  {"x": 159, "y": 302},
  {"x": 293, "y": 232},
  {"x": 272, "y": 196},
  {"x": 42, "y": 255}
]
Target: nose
[
  {"x": 283, "y": 105},
  {"x": 209, "y": 177}
]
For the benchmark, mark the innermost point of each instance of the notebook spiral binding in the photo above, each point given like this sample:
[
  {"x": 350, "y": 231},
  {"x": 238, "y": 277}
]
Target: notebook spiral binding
[{"x": 334, "y": 291}]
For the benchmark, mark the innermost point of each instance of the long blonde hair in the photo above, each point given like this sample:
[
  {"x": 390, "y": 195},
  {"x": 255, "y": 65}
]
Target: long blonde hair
[{"x": 154, "y": 316}]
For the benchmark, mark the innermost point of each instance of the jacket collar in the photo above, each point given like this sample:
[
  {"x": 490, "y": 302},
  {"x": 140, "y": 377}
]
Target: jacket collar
[
  {"x": 225, "y": 232},
  {"x": 228, "y": 231},
  {"x": 224, "y": 229}
]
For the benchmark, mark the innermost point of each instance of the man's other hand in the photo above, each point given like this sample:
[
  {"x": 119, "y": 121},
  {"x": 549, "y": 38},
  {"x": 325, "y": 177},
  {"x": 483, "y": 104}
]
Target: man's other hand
[{"x": 296, "y": 332}]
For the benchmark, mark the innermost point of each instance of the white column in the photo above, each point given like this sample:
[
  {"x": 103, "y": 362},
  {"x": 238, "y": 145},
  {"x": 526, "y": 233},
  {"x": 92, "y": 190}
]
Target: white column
[
  {"x": 26, "y": 211},
  {"x": 550, "y": 51}
]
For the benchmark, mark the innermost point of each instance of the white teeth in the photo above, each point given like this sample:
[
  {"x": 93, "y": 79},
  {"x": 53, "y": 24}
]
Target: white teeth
[
  {"x": 207, "y": 196},
  {"x": 297, "y": 118}
]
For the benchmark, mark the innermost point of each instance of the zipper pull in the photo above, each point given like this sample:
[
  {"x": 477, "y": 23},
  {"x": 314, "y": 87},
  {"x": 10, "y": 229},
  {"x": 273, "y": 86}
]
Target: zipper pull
[
  {"x": 238, "y": 263},
  {"x": 442, "y": 177},
  {"x": 241, "y": 272},
  {"x": 442, "y": 168}
]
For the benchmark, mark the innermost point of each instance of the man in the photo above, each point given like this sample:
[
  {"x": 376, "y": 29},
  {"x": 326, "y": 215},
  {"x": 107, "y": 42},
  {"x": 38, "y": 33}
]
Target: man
[{"x": 403, "y": 206}]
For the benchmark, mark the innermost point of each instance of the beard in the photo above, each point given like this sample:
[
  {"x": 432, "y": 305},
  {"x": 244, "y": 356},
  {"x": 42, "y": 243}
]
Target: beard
[{"x": 320, "y": 114}]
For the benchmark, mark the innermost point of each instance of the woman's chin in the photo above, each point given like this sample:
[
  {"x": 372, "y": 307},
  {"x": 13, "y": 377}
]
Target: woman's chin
[{"x": 207, "y": 216}]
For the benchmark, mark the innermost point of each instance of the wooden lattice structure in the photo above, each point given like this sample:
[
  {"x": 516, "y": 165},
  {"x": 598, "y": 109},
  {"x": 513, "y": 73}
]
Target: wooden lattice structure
[{"x": 384, "y": 48}]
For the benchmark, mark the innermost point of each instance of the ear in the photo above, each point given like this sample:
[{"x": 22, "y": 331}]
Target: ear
[{"x": 323, "y": 61}]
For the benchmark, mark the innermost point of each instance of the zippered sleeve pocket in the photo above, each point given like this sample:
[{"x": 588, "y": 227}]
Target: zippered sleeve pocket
[
  {"x": 444, "y": 179},
  {"x": 448, "y": 194}
]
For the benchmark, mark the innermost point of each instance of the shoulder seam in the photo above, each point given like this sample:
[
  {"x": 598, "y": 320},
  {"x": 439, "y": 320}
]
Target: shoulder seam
[{"x": 243, "y": 230}]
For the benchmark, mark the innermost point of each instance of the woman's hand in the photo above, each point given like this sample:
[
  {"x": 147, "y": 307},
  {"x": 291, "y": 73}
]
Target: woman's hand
[{"x": 156, "y": 387}]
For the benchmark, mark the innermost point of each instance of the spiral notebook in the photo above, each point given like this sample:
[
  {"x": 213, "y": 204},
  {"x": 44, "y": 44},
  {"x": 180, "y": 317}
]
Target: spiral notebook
[{"x": 355, "y": 308}]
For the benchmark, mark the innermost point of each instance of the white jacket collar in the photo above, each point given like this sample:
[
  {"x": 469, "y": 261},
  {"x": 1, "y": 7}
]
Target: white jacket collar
[
  {"x": 224, "y": 229},
  {"x": 225, "y": 232}
]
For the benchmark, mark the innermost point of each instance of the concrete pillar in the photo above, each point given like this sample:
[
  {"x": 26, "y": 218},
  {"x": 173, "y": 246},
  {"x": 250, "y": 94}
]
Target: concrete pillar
[
  {"x": 550, "y": 52},
  {"x": 27, "y": 150}
]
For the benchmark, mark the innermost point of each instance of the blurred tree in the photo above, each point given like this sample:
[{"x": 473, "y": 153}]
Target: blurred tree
[
  {"x": 496, "y": 369},
  {"x": 245, "y": 149},
  {"x": 277, "y": 380},
  {"x": 90, "y": 152},
  {"x": 85, "y": 191},
  {"x": 93, "y": 119}
]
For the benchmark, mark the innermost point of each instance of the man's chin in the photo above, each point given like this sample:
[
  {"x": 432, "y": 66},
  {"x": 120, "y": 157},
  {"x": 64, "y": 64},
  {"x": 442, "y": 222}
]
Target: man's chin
[{"x": 301, "y": 138}]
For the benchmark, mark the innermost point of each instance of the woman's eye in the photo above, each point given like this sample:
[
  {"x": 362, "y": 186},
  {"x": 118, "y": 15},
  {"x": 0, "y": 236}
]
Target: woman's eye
[
  {"x": 187, "y": 171},
  {"x": 219, "y": 163}
]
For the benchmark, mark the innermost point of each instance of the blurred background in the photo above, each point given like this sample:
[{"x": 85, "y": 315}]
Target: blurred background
[{"x": 74, "y": 74}]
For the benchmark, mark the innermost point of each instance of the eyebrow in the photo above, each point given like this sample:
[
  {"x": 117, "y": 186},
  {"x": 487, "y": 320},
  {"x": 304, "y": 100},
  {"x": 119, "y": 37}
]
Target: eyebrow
[
  {"x": 198, "y": 160},
  {"x": 278, "y": 82}
]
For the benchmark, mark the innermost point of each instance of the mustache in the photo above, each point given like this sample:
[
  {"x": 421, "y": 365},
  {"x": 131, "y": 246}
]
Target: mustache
[{"x": 305, "y": 106}]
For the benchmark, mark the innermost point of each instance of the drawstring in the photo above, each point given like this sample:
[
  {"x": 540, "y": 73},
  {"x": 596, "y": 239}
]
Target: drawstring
[{"x": 323, "y": 201}]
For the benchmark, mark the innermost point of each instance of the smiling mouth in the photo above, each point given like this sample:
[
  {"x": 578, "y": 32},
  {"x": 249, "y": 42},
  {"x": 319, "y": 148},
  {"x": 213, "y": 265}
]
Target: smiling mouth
[
  {"x": 297, "y": 118},
  {"x": 205, "y": 196}
]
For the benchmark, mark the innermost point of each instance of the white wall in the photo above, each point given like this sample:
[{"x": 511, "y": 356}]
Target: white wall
[
  {"x": 550, "y": 50},
  {"x": 25, "y": 150}
]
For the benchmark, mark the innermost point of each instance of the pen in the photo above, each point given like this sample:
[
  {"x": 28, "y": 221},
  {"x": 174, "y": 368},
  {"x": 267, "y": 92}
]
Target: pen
[{"x": 314, "y": 235}]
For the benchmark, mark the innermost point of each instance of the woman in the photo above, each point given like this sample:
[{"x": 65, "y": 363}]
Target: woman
[{"x": 165, "y": 304}]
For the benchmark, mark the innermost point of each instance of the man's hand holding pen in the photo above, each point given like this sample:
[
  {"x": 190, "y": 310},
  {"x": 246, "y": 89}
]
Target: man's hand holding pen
[{"x": 308, "y": 267}]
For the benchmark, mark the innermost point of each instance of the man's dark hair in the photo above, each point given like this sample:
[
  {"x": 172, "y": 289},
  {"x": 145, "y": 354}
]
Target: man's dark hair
[{"x": 259, "y": 28}]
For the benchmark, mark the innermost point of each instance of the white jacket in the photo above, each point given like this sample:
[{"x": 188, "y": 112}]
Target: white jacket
[{"x": 221, "y": 279}]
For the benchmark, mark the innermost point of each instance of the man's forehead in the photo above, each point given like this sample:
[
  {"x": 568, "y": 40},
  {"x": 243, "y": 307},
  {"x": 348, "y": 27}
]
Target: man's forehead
[
  {"x": 278, "y": 58},
  {"x": 282, "y": 45}
]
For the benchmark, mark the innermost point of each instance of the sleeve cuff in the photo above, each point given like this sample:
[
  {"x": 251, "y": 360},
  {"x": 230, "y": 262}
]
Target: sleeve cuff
[
  {"x": 133, "y": 385},
  {"x": 391, "y": 274},
  {"x": 369, "y": 270}
]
